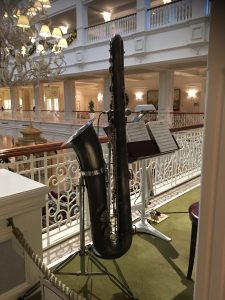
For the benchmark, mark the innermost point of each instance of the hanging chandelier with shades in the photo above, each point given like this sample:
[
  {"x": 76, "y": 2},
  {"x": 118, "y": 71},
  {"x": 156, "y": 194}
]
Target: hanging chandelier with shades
[{"x": 29, "y": 50}]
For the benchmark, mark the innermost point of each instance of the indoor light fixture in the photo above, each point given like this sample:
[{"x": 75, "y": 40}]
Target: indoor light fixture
[
  {"x": 139, "y": 95},
  {"x": 46, "y": 4},
  {"x": 192, "y": 93},
  {"x": 63, "y": 43},
  {"x": 45, "y": 31},
  {"x": 23, "y": 22},
  {"x": 106, "y": 16},
  {"x": 57, "y": 33},
  {"x": 64, "y": 29},
  {"x": 20, "y": 39},
  {"x": 100, "y": 97}
]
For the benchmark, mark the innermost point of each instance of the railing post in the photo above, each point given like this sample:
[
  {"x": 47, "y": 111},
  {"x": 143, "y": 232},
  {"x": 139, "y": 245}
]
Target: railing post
[
  {"x": 142, "y": 6},
  {"x": 199, "y": 8}
]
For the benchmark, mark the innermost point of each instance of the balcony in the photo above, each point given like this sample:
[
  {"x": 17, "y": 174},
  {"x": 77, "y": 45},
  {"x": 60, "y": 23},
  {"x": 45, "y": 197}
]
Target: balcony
[
  {"x": 172, "y": 30},
  {"x": 57, "y": 126},
  {"x": 57, "y": 167}
]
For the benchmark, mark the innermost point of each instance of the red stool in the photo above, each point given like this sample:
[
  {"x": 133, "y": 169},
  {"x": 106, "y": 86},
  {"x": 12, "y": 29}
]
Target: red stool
[{"x": 193, "y": 215}]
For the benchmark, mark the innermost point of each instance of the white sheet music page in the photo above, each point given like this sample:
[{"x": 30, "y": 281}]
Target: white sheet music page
[
  {"x": 137, "y": 132},
  {"x": 163, "y": 138}
]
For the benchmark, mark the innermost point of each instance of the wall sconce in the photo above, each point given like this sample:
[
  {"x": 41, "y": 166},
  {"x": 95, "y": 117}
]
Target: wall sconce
[
  {"x": 139, "y": 95},
  {"x": 100, "y": 97},
  {"x": 192, "y": 93},
  {"x": 106, "y": 16}
]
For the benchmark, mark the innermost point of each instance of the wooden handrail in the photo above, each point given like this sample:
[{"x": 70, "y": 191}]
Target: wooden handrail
[
  {"x": 39, "y": 148},
  {"x": 48, "y": 147}
]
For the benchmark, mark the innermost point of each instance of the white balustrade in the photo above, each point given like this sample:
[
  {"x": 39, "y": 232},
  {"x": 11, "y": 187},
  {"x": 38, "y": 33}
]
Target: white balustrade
[
  {"x": 163, "y": 15},
  {"x": 171, "y": 13},
  {"x": 59, "y": 170},
  {"x": 106, "y": 31},
  {"x": 20, "y": 199}
]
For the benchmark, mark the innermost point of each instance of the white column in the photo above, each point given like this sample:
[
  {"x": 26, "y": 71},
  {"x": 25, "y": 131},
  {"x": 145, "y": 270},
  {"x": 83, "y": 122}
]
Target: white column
[
  {"x": 14, "y": 100},
  {"x": 142, "y": 6},
  {"x": 69, "y": 99},
  {"x": 210, "y": 276},
  {"x": 203, "y": 95},
  {"x": 37, "y": 93},
  {"x": 198, "y": 8},
  {"x": 107, "y": 93},
  {"x": 82, "y": 22},
  {"x": 166, "y": 95},
  {"x": 39, "y": 97}
]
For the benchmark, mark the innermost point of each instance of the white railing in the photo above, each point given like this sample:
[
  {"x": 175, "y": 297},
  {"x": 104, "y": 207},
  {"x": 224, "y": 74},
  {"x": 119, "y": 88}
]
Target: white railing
[
  {"x": 58, "y": 169},
  {"x": 176, "y": 119},
  {"x": 171, "y": 13},
  {"x": 186, "y": 119},
  {"x": 50, "y": 116},
  {"x": 164, "y": 15},
  {"x": 105, "y": 31}
]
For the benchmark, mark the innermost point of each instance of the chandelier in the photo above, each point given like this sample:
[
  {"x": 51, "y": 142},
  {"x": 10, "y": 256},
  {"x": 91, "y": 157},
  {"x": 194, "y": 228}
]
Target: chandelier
[{"x": 28, "y": 49}]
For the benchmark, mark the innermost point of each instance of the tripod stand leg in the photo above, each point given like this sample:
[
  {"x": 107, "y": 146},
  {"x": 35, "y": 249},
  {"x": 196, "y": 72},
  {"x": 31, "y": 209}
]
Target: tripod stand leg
[
  {"x": 87, "y": 251},
  {"x": 66, "y": 262},
  {"x": 123, "y": 287}
]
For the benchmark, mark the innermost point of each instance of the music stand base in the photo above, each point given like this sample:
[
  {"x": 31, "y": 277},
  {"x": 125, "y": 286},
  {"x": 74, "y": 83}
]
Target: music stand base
[
  {"x": 141, "y": 227},
  {"x": 87, "y": 252}
]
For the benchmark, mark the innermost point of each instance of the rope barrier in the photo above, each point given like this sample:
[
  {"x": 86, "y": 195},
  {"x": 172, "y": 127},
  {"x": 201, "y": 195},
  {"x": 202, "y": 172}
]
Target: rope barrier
[{"x": 42, "y": 266}]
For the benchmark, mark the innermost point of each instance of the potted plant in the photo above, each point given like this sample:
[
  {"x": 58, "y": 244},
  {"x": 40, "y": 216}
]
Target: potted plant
[{"x": 91, "y": 106}]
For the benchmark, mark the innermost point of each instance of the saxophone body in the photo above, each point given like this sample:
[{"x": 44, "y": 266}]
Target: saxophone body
[{"x": 110, "y": 240}]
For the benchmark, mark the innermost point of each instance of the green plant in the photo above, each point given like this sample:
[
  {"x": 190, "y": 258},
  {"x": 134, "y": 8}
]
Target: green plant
[{"x": 91, "y": 106}]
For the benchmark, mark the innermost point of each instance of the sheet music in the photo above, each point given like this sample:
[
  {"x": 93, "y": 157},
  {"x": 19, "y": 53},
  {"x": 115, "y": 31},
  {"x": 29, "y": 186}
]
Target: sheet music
[
  {"x": 137, "y": 131},
  {"x": 161, "y": 133}
]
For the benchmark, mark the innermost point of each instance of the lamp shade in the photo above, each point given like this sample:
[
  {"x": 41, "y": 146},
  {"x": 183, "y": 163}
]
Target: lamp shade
[
  {"x": 40, "y": 48},
  {"x": 37, "y": 5},
  {"x": 45, "y": 31},
  {"x": 31, "y": 11},
  {"x": 57, "y": 33},
  {"x": 23, "y": 22},
  {"x": 63, "y": 43},
  {"x": 46, "y": 4},
  {"x": 64, "y": 29}
]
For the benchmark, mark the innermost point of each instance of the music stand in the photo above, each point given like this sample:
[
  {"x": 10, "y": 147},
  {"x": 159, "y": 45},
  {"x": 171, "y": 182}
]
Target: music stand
[
  {"x": 87, "y": 251},
  {"x": 142, "y": 226},
  {"x": 141, "y": 150}
]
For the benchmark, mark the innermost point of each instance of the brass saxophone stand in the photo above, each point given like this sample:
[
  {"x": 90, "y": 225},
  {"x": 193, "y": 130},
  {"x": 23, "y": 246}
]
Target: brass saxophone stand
[{"x": 86, "y": 251}]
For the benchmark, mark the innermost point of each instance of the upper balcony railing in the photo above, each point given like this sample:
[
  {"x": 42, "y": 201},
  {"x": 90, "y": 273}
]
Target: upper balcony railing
[
  {"x": 107, "y": 30},
  {"x": 171, "y": 13},
  {"x": 173, "y": 120},
  {"x": 164, "y": 15}
]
